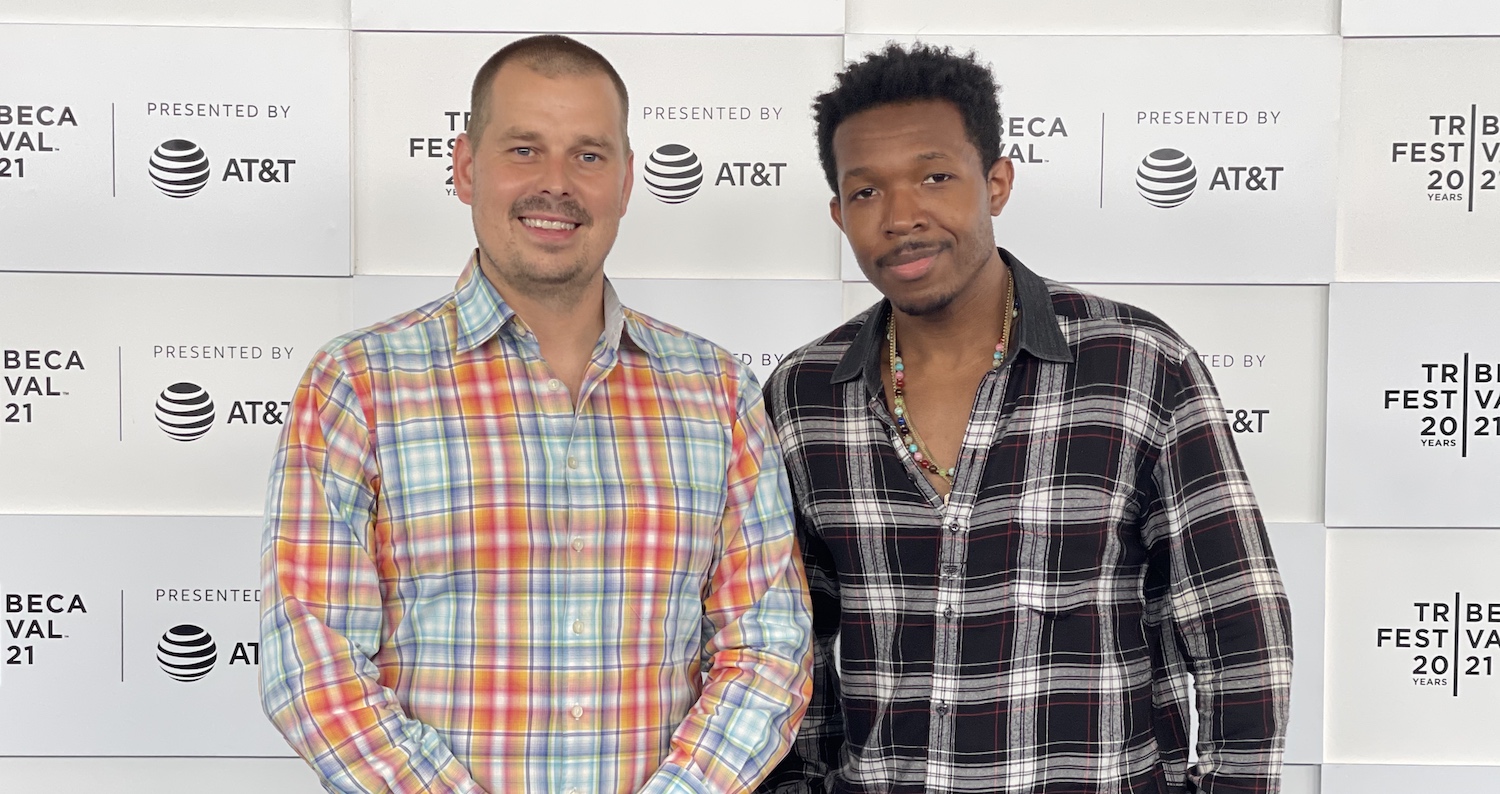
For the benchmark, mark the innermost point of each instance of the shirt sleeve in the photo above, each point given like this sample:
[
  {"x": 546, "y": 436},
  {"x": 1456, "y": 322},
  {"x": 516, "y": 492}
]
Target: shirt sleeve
[
  {"x": 1225, "y": 600},
  {"x": 814, "y": 755},
  {"x": 322, "y": 621},
  {"x": 757, "y": 679}
]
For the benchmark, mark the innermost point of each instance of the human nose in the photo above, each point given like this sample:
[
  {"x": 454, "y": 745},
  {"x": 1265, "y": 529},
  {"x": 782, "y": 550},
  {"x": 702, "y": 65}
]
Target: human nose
[
  {"x": 904, "y": 214},
  {"x": 555, "y": 178}
]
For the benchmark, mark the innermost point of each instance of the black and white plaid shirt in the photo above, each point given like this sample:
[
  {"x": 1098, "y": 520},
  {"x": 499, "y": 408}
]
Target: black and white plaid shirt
[{"x": 1100, "y": 556}]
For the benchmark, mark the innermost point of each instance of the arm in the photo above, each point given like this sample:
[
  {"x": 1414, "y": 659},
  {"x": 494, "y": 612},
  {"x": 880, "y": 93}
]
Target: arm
[
  {"x": 1224, "y": 595},
  {"x": 757, "y": 683},
  {"x": 815, "y": 753},
  {"x": 322, "y": 620}
]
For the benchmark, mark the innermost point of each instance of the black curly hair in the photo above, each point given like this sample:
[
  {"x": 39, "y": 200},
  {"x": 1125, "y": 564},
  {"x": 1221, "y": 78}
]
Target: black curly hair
[{"x": 897, "y": 75}]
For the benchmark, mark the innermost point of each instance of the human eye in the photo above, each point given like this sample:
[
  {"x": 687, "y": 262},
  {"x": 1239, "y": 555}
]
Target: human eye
[
  {"x": 591, "y": 157},
  {"x": 862, "y": 193},
  {"x": 523, "y": 151},
  {"x": 933, "y": 179}
]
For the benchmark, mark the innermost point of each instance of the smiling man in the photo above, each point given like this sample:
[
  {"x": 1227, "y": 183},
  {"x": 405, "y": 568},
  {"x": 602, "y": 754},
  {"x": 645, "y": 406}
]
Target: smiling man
[
  {"x": 524, "y": 539},
  {"x": 1021, "y": 511}
]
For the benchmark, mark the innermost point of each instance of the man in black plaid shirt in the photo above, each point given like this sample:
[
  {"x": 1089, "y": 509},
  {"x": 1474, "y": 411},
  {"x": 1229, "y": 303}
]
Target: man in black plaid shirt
[{"x": 1028, "y": 534}]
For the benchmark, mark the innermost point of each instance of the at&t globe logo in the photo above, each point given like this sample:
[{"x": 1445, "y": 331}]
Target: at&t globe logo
[
  {"x": 1166, "y": 178},
  {"x": 673, "y": 173},
  {"x": 179, "y": 168},
  {"x": 186, "y": 652},
  {"x": 184, "y": 411}
]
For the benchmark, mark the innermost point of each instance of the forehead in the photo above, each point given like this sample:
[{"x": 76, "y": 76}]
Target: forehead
[
  {"x": 888, "y": 134},
  {"x": 524, "y": 96}
]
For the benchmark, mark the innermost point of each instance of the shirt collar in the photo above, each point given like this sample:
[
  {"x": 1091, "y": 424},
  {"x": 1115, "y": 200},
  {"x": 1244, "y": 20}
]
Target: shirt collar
[
  {"x": 1038, "y": 333},
  {"x": 482, "y": 313}
]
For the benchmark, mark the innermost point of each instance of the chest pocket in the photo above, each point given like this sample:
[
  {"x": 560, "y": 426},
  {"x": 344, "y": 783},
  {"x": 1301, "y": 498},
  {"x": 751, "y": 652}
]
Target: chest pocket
[{"x": 1071, "y": 535}]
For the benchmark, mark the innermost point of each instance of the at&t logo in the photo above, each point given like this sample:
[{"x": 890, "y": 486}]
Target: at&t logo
[
  {"x": 180, "y": 169},
  {"x": 1168, "y": 177},
  {"x": 674, "y": 174},
  {"x": 187, "y": 653},
  {"x": 185, "y": 411}
]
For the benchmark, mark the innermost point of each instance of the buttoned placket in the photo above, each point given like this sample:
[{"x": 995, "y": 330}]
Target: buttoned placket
[
  {"x": 954, "y": 514},
  {"x": 570, "y": 452}
]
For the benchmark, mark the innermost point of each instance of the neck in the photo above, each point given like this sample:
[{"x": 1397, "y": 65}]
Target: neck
[
  {"x": 966, "y": 328},
  {"x": 567, "y": 317}
]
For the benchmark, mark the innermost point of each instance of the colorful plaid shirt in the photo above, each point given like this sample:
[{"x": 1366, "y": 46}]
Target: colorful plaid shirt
[
  {"x": 1040, "y": 631},
  {"x": 470, "y": 585}
]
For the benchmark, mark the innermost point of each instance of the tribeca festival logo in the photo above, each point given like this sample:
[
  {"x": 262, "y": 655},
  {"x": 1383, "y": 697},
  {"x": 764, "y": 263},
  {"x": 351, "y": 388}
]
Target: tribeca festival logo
[
  {"x": 1459, "y": 161},
  {"x": 179, "y": 168},
  {"x": 1022, "y": 133},
  {"x": 28, "y": 377},
  {"x": 185, "y": 411},
  {"x": 187, "y": 652},
  {"x": 1449, "y": 641},
  {"x": 33, "y": 617},
  {"x": 675, "y": 173},
  {"x": 1455, "y": 403},
  {"x": 16, "y": 145}
]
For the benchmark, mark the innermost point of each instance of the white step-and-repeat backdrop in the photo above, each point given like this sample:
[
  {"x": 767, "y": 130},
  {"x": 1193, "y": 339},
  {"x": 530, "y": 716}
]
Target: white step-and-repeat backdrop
[{"x": 1335, "y": 264}]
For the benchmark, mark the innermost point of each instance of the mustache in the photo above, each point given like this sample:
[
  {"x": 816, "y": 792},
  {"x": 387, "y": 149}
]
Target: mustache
[
  {"x": 890, "y": 257},
  {"x": 567, "y": 208}
]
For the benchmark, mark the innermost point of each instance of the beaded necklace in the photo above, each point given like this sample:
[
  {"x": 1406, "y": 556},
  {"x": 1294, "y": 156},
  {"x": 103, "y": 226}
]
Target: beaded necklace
[{"x": 909, "y": 437}]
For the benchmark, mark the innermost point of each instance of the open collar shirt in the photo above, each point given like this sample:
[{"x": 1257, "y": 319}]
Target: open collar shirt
[
  {"x": 1041, "y": 631},
  {"x": 473, "y": 585}
]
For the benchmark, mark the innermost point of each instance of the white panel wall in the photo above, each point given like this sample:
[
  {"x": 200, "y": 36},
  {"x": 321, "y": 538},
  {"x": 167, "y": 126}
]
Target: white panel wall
[
  {"x": 165, "y": 394},
  {"x": 604, "y": 16},
  {"x": 1431, "y": 18},
  {"x": 218, "y": 150},
  {"x": 1414, "y": 405},
  {"x": 1363, "y": 406},
  {"x": 1413, "y": 640},
  {"x": 1419, "y": 197},
  {"x": 998, "y": 17}
]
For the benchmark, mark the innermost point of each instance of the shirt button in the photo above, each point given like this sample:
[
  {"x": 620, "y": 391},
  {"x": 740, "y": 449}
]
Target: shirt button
[
  {"x": 948, "y": 613},
  {"x": 554, "y": 384},
  {"x": 942, "y": 709},
  {"x": 572, "y": 463},
  {"x": 577, "y": 627},
  {"x": 950, "y": 571},
  {"x": 577, "y": 712},
  {"x": 577, "y": 544},
  {"x": 952, "y": 526}
]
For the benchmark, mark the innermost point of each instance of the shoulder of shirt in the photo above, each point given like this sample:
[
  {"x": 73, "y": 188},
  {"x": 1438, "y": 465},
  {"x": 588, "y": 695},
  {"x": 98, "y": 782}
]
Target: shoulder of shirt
[
  {"x": 678, "y": 349},
  {"x": 822, "y": 355},
  {"x": 409, "y": 331},
  {"x": 1087, "y": 318}
]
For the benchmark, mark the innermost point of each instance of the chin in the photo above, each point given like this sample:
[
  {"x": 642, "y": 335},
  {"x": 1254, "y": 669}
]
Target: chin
[{"x": 922, "y": 302}]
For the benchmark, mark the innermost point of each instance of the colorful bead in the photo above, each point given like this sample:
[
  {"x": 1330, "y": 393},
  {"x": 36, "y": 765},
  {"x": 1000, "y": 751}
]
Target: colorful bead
[{"x": 898, "y": 398}]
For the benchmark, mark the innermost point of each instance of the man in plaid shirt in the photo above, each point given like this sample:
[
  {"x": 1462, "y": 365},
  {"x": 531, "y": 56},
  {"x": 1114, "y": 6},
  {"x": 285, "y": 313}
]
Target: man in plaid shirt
[
  {"x": 524, "y": 539},
  {"x": 1028, "y": 534}
]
